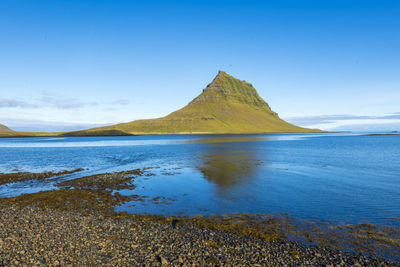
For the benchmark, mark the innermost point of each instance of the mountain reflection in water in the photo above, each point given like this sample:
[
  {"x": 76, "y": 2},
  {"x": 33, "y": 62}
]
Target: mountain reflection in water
[{"x": 229, "y": 161}]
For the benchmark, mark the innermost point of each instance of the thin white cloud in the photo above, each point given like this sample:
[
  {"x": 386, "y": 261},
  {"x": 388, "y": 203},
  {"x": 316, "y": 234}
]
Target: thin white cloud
[
  {"x": 326, "y": 119},
  {"x": 64, "y": 103},
  {"x": 346, "y": 122},
  {"x": 47, "y": 126},
  {"x": 363, "y": 125},
  {"x": 16, "y": 103},
  {"x": 56, "y": 102},
  {"x": 121, "y": 102}
]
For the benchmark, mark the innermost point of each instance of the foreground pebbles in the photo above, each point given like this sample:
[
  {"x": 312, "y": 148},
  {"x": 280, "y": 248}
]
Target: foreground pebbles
[{"x": 30, "y": 236}]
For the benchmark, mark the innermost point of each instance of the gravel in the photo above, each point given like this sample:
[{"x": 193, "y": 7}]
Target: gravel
[
  {"x": 25, "y": 176},
  {"x": 30, "y": 236}
]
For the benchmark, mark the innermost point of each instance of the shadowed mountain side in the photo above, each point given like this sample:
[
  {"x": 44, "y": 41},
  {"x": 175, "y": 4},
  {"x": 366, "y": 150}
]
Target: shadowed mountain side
[{"x": 226, "y": 105}]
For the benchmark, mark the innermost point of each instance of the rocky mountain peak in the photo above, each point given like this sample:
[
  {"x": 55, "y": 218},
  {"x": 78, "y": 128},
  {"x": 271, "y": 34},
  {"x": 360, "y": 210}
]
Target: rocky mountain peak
[{"x": 231, "y": 89}]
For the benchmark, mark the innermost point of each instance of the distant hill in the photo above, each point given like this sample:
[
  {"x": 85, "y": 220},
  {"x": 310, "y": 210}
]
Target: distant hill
[
  {"x": 4, "y": 128},
  {"x": 7, "y": 132},
  {"x": 226, "y": 105}
]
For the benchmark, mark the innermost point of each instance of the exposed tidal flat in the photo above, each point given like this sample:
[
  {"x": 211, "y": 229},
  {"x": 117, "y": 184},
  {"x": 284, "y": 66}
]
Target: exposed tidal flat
[{"x": 134, "y": 200}]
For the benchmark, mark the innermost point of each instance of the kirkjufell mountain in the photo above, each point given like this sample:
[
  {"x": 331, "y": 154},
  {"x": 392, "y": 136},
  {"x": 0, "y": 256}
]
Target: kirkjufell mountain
[{"x": 226, "y": 105}]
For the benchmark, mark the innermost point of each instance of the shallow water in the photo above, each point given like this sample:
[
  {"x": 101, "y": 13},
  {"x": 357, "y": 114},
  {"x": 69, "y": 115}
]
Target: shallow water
[{"x": 346, "y": 178}]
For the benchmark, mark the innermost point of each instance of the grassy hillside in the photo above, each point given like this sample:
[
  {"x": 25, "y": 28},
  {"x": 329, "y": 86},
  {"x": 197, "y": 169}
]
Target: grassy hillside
[
  {"x": 226, "y": 105},
  {"x": 7, "y": 132},
  {"x": 26, "y": 134},
  {"x": 4, "y": 128}
]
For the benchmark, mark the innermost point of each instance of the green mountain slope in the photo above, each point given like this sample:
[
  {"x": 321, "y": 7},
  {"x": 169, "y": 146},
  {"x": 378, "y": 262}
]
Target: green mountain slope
[
  {"x": 226, "y": 105},
  {"x": 4, "y": 128}
]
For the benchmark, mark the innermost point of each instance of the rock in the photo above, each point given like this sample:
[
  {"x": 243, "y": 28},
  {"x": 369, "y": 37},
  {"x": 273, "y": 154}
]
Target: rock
[
  {"x": 163, "y": 260},
  {"x": 34, "y": 236}
]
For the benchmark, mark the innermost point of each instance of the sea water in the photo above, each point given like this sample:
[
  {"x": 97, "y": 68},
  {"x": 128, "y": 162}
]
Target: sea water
[{"x": 339, "y": 177}]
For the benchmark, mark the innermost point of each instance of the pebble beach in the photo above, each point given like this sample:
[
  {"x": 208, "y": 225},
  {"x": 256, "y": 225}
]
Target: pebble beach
[{"x": 31, "y": 236}]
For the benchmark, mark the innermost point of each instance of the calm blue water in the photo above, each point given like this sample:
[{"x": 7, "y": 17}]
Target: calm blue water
[{"x": 345, "y": 178}]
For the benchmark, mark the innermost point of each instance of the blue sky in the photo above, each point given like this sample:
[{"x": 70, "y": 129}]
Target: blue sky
[{"x": 66, "y": 65}]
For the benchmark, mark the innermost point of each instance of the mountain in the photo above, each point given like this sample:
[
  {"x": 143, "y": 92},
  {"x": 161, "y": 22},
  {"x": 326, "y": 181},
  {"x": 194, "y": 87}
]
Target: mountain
[
  {"x": 7, "y": 132},
  {"x": 226, "y": 105},
  {"x": 4, "y": 128}
]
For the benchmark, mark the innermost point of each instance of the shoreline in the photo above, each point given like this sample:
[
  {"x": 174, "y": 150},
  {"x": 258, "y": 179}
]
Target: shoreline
[
  {"x": 34, "y": 134},
  {"x": 34, "y": 236},
  {"x": 93, "y": 199}
]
